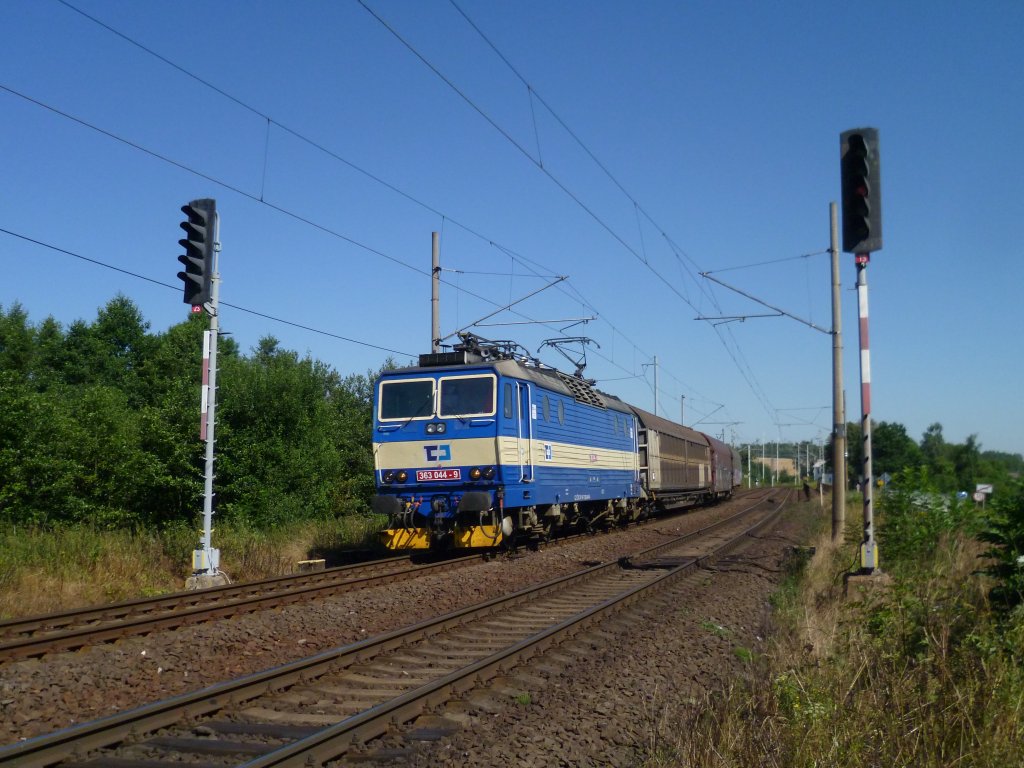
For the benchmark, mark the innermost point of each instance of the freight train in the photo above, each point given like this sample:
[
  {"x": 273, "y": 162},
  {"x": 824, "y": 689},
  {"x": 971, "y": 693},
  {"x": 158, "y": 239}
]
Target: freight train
[{"x": 484, "y": 446}]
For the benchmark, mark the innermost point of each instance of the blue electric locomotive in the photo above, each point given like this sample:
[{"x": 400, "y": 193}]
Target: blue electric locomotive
[{"x": 481, "y": 446}]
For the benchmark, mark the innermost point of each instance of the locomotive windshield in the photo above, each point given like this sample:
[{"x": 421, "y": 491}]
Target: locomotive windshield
[
  {"x": 407, "y": 399},
  {"x": 467, "y": 396}
]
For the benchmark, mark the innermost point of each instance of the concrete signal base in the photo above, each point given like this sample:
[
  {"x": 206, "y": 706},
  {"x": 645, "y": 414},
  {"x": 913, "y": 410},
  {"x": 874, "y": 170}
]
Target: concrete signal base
[{"x": 206, "y": 580}]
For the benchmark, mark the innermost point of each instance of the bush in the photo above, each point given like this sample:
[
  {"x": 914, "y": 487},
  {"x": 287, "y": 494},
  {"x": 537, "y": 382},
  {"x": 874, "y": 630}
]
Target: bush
[
  {"x": 916, "y": 673},
  {"x": 915, "y": 517},
  {"x": 1004, "y": 530}
]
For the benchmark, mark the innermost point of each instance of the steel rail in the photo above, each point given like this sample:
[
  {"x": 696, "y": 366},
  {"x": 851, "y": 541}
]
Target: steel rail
[
  {"x": 333, "y": 742},
  {"x": 172, "y": 611},
  {"x": 35, "y": 636},
  {"x": 77, "y": 741},
  {"x": 172, "y": 600}
]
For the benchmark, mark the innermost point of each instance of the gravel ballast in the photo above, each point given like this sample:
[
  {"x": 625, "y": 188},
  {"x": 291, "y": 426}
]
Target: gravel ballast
[{"x": 597, "y": 701}]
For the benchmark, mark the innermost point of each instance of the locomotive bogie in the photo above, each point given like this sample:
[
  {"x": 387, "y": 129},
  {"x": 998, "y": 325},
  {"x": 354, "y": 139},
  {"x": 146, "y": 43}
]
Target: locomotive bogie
[
  {"x": 477, "y": 536},
  {"x": 405, "y": 538}
]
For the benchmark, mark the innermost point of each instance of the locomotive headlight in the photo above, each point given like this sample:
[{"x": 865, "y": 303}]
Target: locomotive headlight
[
  {"x": 440, "y": 428},
  {"x": 431, "y": 429},
  {"x": 388, "y": 477},
  {"x": 474, "y": 473},
  {"x": 489, "y": 473},
  {"x": 402, "y": 476}
]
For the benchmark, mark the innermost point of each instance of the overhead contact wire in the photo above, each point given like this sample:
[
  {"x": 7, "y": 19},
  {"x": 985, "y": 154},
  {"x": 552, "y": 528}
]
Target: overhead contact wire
[
  {"x": 270, "y": 121},
  {"x": 178, "y": 287}
]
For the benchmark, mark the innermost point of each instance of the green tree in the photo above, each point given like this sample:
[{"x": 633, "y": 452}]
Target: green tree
[
  {"x": 99, "y": 424},
  {"x": 172, "y": 374},
  {"x": 287, "y": 441},
  {"x": 937, "y": 456},
  {"x": 17, "y": 340},
  {"x": 967, "y": 463},
  {"x": 121, "y": 344},
  {"x": 892, "y": 450}
]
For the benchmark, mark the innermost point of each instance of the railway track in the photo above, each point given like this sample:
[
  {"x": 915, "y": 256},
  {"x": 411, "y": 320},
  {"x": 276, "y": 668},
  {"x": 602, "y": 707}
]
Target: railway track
[
  {"x": 36, "y": 636},
  {"x": 39, "y": 635},
  {"x": 322, "y": 707}
]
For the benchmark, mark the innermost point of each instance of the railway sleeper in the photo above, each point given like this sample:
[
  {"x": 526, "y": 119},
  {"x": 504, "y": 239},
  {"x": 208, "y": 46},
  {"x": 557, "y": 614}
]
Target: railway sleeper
[{"x": 551, "y": 659}]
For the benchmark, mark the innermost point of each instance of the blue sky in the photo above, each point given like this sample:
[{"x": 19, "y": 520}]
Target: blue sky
[{"x": 628, "y": 146}]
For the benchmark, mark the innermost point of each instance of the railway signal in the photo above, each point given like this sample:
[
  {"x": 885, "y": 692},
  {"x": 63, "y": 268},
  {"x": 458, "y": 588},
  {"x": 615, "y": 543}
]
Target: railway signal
[
  {"x": 202, "y": 291},
  {"x": 862, "y": 192},
  {"x": 862, "y": 234},
  {"x": 199, "y": 246}
]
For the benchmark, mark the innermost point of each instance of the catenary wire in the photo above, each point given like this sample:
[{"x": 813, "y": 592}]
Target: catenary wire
[
  {"x": 240, "y": 308},
  {"x": 378, "y": 180},
  {"x": 747, "y": 374},
  {"x": 318, "y": 146}
]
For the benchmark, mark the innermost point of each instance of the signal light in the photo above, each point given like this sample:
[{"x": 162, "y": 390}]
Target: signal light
[
  {"x": 860, "y": 167},
  {"x": 199, "y": 246}
]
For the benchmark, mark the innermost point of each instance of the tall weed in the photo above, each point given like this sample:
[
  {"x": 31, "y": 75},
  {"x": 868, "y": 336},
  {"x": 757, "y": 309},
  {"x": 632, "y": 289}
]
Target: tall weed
[
  {"x": 916, "y": 516},
  {"x": 1004, "y": 532},
  {"x": 43, "y": 571},
  {"x": 920, "y": 673}
]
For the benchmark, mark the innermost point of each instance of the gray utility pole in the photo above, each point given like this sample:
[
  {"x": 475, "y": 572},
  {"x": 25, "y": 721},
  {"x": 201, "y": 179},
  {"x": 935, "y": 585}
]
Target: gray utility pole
[
  {"x": 838, "y": 407},
  {"x": 435, "y": 293},
  {"x": 655, "y": 385},
  {"x": 775, "y": 471},
  {"x": 654, "y": 363},
  {"x": 838, "y": 403}
]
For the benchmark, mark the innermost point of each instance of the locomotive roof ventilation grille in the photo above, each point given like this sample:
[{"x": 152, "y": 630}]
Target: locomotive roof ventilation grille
[{"x": 581, "y": 390}]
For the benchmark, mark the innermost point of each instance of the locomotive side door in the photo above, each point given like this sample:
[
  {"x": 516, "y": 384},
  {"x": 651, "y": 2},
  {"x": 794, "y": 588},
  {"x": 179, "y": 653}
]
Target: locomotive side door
[{"x": 524, "y": 431}]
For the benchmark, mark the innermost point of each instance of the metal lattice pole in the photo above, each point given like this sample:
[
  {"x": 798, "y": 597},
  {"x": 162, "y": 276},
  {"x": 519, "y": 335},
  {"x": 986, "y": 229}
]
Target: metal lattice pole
[{"x": 207, "y": 560}]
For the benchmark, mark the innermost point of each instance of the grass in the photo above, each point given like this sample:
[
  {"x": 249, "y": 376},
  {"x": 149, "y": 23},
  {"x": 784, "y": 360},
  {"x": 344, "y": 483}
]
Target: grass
[
  {"x": 47, "y": 571},
  {"x": 921, "y": 673},
  {"x": 715, "y": 628}
]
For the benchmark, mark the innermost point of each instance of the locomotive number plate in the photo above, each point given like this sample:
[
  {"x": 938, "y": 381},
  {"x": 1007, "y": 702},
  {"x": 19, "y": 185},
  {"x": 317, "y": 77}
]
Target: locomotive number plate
[{"x": 426, "y": 475}]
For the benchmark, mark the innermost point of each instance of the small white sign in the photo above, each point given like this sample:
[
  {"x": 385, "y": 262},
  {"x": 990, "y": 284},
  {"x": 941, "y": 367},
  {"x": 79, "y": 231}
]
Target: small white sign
[{"x": 983, "y": 488}]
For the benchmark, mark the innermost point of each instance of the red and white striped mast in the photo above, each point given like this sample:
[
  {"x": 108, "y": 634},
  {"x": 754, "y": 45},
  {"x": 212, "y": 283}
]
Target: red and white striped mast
[{"x": 868, "y": 547}]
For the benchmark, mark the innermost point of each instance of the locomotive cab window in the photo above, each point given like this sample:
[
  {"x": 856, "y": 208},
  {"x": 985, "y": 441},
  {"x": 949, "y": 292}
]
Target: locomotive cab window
[
  {"x": 467, "y": 396},
  {"x": 406, "y": 399},
  {"x": 510, "y": 404}
]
